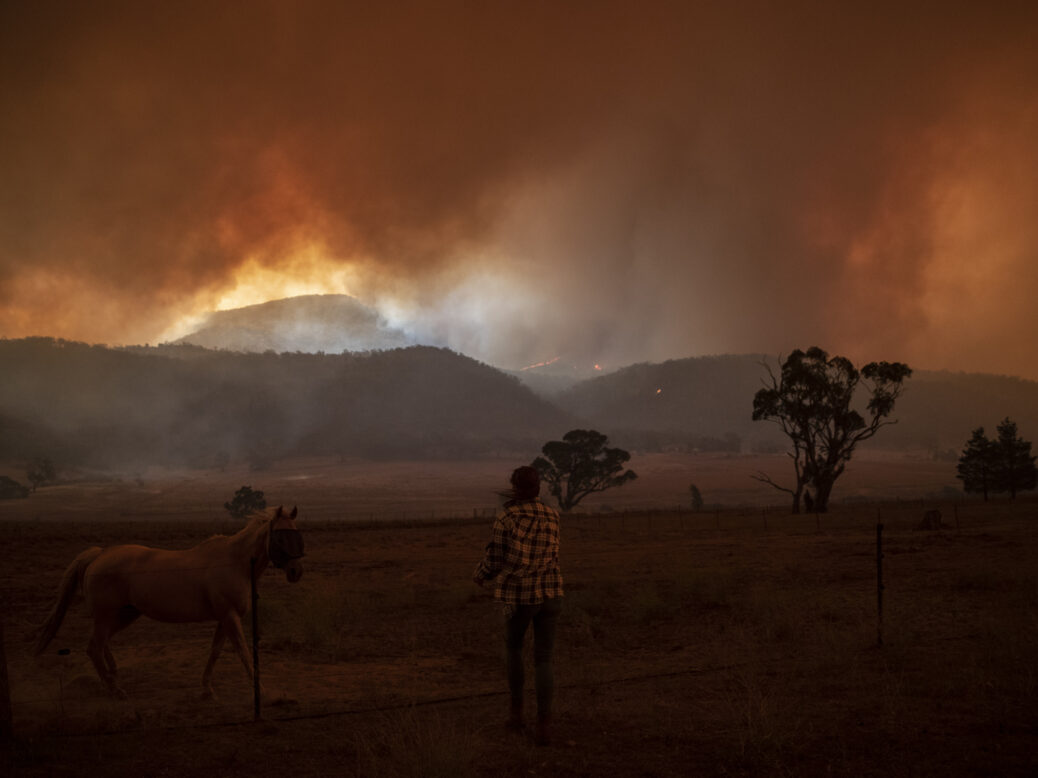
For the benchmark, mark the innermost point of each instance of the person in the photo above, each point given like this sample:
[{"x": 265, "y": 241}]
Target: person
[{"x": 522, "y": 561}]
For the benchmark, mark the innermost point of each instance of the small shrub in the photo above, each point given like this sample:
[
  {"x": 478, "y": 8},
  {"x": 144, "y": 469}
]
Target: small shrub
[
  {"x": 697, "y": 498},
  {"x": 11, "y": 489},
  {"x": 246, "y": 500},
  {"x": 41, "y": 472}
]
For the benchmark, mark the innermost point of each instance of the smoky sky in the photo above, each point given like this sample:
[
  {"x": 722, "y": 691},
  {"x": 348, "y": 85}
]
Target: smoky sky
[{"x": 604, "y": 181}]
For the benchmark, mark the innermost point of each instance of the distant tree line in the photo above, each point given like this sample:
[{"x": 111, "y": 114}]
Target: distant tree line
[{"x": 662, "y": 441}]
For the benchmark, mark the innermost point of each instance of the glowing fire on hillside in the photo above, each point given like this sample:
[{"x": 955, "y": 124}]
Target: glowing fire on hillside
[{"x": 547, "y": 362}]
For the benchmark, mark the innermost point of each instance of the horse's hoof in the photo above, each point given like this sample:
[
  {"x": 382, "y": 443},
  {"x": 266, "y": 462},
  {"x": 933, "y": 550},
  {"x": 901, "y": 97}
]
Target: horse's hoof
[{"x": 118, "y": 693}]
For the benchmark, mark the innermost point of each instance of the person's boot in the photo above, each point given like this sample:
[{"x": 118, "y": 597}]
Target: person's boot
[
  {"x": 515, "y": 718},
  {"x": 543, "y": 733}
]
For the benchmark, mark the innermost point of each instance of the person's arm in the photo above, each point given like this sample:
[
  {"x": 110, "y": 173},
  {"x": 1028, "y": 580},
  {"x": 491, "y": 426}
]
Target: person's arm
[{"x": 494, "y": 559}]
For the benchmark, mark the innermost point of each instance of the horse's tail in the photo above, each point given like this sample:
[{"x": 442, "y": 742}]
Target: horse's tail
[{"x": 71, "y": 584}]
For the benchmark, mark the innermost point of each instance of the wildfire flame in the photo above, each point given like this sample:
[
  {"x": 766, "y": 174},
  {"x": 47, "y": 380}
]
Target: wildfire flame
[{"x": 551, "y": 361}]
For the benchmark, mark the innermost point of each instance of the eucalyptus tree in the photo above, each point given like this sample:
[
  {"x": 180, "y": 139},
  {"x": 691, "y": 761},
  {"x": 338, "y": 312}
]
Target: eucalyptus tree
[
  {"x": 580, "y": 464},
  {"x": 812, "y": 400}
]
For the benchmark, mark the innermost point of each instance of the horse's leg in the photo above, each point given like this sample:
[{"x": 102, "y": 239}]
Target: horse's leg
[
  {"x": 126, "y": 616},
  {"x": 110, "y": 662},
  {"x": 214, "y": 652},
  {"x": 99, "y": 654},
  {"x": 232, "y": 626}
]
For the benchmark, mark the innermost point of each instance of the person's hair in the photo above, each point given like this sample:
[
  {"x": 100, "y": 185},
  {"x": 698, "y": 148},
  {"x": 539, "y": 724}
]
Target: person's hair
[{"x": 526, "y": 484}]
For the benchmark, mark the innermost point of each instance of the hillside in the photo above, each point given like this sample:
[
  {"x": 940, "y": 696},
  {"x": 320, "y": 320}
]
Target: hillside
[
  {"x": 707, "y": 403},
  {"x": 189, "y": 406},
  {"x": 186, "y": 405},
  {"x": 330, "y": 323}
]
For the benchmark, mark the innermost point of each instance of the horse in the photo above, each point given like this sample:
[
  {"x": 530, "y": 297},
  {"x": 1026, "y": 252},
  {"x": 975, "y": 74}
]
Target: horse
[{"x": 209, "y": 582}]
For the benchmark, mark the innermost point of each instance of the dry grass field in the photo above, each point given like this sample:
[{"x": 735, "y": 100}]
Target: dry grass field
[
  {"x": 336, "y": 490},
  {"x": 739, "y": 641}
]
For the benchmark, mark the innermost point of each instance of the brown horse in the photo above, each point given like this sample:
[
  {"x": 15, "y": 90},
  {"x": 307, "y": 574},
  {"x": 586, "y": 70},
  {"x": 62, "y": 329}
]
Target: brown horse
[{"x": 210, "y": 582}]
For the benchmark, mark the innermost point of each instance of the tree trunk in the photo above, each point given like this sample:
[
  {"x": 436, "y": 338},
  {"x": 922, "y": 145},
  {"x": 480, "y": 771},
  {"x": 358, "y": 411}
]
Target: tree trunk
[
  {"x": 798, "y": 496},
  {"x": 823, "y": 488}
]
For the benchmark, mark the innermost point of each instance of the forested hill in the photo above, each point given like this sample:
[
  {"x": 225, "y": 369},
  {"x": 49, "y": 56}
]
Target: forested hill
[
  {"x": 189, "y": 406},
  {"x": 707, "y": 402},
  {"x": 703, "y": 402},
  {"x": 186, "y": 405}
]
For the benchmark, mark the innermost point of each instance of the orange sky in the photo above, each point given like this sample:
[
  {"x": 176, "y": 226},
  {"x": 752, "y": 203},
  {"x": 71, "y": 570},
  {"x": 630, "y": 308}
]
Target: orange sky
[{"x": 608, "y": 181}]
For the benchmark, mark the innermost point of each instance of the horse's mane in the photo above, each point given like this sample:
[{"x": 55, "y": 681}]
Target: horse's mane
[{"x": 256, "y": 517}]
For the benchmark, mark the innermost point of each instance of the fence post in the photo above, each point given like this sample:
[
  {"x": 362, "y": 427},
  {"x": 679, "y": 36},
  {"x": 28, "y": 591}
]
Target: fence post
[
  {"x": 879, "y": 584},
  {"x": 255, "y": 646}
]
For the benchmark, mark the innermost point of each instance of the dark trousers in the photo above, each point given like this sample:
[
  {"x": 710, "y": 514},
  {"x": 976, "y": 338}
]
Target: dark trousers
[{"x": 545, "y": 617}]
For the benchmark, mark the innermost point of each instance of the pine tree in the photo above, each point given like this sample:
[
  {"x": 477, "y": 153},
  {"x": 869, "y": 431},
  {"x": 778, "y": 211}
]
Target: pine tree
[
  {"x": 977, "y": 465},
  {"x": 1001, "y": 465},
  {"x": 1016, "y": 470}
]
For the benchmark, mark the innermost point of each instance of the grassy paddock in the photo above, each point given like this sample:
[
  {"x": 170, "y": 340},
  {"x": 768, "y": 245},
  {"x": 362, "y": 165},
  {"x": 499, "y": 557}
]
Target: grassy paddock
[{"x": 738, "y": 642}]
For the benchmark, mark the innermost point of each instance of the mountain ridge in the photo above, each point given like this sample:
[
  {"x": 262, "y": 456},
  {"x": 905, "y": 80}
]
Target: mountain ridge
[{"x": 188, "y": 405}]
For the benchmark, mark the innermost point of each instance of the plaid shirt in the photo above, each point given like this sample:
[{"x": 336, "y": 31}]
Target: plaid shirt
[{"x": 523, "y": 554}]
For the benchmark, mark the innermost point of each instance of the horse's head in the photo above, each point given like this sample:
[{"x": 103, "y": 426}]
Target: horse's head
[{"x": 285, "y": 544}]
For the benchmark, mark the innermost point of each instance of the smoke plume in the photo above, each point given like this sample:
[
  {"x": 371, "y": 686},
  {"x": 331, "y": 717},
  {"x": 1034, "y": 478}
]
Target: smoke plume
[{"x": 604, "y": 181}]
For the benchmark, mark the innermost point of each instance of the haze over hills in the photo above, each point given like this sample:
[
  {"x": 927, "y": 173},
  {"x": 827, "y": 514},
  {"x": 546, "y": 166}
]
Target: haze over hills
[
  {"x": 333, "y": 323},
  {"x": 698, "y": 402},
  {"x": 184, "y": 405},
  {"x": 257, "y": 391}
]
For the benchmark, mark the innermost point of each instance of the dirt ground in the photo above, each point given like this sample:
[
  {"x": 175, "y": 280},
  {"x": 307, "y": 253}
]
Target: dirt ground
[{"x": 729, "y": 642}]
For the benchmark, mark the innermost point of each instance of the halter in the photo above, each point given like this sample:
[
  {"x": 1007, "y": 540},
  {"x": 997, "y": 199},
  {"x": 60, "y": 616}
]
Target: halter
[{"x": 283, "y": 545}]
